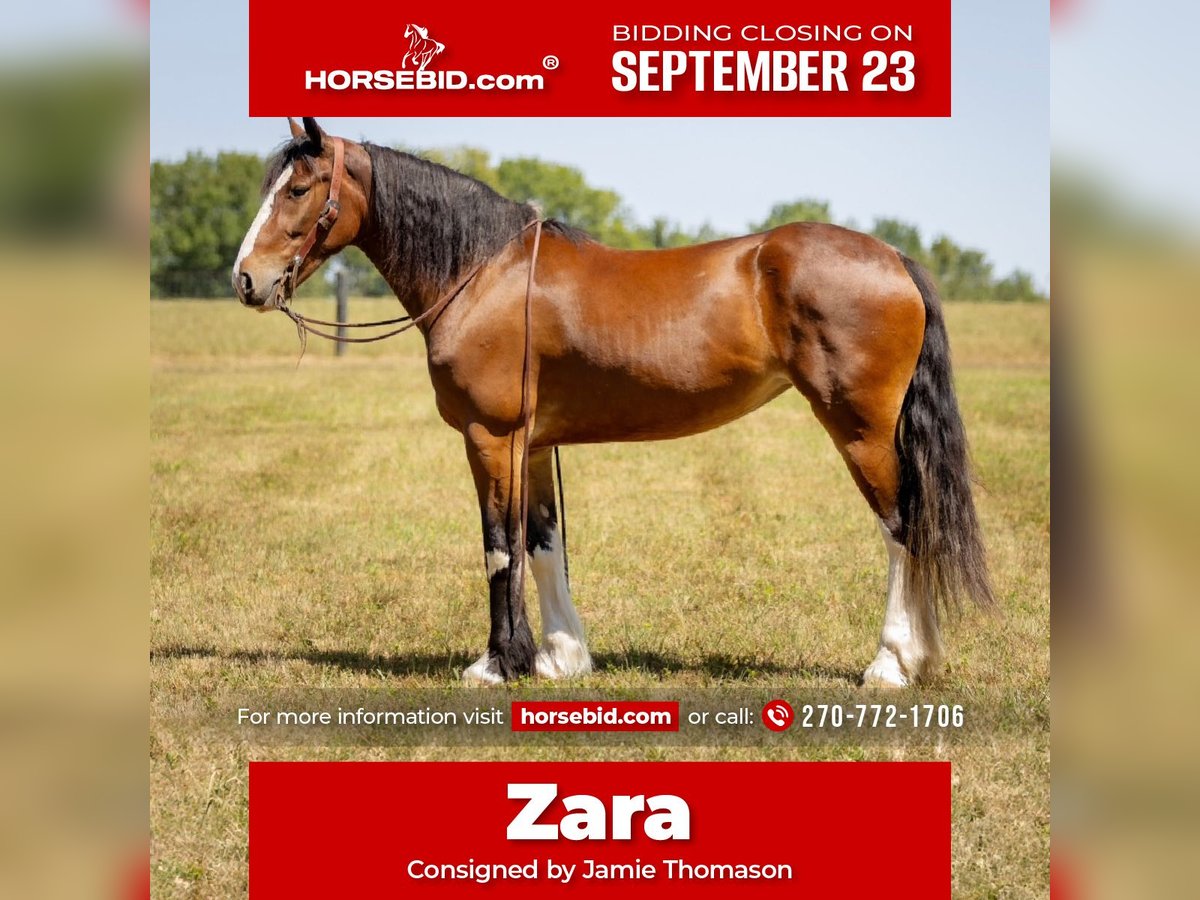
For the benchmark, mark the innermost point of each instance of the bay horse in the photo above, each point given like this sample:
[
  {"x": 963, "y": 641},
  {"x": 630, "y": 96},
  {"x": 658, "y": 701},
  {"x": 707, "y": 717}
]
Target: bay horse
[{"x": 639, "y": 346}]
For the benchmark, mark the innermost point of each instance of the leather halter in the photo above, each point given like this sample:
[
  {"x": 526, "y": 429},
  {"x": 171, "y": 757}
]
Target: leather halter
[{"x": 325, "y": 221}]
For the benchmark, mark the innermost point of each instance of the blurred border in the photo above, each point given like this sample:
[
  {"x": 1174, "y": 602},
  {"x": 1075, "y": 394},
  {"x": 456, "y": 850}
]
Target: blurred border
[
  {"x": 74, "y": 224},
  {"x": 1126, "y": 273}
]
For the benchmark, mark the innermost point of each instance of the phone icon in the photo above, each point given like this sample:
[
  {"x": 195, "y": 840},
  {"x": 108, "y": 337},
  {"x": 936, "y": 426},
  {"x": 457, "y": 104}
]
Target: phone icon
[{"x": 778, "y": 715}]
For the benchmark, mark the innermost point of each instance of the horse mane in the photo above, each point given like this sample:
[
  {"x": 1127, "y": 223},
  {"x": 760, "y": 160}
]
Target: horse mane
[{"x": 430, "y": 224}]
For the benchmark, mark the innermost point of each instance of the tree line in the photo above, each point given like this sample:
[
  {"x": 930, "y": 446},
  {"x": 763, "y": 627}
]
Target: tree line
[{"x": 201, "y": 206}]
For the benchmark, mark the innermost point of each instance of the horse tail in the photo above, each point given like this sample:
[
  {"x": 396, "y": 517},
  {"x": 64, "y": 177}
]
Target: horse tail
[{"x": 941, "y": 531}]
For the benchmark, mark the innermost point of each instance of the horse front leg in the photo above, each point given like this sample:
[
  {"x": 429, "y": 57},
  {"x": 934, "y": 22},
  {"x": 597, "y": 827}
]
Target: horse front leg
[
  {"x": 564, "y": 651},
  {"x": 496, "y": 466}
]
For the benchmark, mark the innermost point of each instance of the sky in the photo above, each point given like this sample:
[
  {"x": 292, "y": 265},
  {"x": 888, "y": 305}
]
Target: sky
[
  {"x": 1125, "y": 88},
  {"x": 980, "y": 176}
]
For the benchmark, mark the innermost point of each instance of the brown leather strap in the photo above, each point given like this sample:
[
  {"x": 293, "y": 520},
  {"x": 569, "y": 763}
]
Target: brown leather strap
[
  {"x": 527, "y": 388},
  {"x": 562, "y": 518},
  {"x": 325, "y": 220},
  {"x": 332, "y": 207}
]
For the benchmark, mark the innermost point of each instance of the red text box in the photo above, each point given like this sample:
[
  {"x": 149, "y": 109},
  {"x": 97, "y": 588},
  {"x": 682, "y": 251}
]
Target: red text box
[
  {"x": 595, "y": 715},
  {"x": 625, "y": 58},
  {"x": 357, "y": 829}
]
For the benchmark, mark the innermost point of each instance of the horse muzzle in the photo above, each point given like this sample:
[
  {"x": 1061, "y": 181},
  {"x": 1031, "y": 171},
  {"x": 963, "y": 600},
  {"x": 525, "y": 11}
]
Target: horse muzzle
[{"x": 262, "y": 298}]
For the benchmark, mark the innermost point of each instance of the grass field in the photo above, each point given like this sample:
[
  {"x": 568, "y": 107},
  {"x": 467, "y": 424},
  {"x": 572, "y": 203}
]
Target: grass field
[{"x": 316, "y": 526}]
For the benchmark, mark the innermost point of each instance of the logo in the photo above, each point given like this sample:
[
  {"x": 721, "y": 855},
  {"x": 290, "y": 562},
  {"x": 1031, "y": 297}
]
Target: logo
[
  {"x": 421, "y": 47},
  {"x": 414, "y": 73},
  {"x": 778, "y": 715}
]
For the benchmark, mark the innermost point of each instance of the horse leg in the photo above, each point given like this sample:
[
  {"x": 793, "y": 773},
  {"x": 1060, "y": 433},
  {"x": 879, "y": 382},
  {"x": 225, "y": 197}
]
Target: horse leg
[
  {"x": 904, "y": 656},
  {"x": 867, "y": 345},
  {"x": 564, "y": 651},
  {"x": 496, "y": 466},
  {"x": 908, "y": 650},
  {"x": 855, "y": 372}
]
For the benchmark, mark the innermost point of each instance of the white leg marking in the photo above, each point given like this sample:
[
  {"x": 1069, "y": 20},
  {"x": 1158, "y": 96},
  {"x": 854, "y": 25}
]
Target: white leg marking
[
  {"x": 564, "y": 651},
  {"x": 901, "y": 656},
  {"x": 497, "y": 561},
  {"x": 264, "y": 213},
  {"x": 484, "y": 672}
]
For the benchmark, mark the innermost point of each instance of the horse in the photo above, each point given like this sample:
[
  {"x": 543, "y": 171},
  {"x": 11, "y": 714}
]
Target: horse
[
  {"x": 609, "y": 345},
  {"x": 421, "y": 48}
]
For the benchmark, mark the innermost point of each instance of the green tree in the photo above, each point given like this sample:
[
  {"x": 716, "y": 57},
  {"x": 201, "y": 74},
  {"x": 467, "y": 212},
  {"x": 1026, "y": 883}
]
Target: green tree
[
  {"x": 805, "y": 210},
  {"x": 962, "y": 274},
  {"x": 1017, "y": 286},
  {"x": 365, "y": 280},
  {"x": 563, "y": 193},
  {"x": 663, "y": 233},
  {"x": 471, "y": 161},
  {"x": 904, "y": 236},
  {"x": 200, "y": 209}
]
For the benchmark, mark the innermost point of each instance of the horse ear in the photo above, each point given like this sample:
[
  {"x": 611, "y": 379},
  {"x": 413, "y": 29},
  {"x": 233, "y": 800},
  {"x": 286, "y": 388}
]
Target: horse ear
[
  {"x": 314, "y": 132},
  {"x": 297, "y": 128}
]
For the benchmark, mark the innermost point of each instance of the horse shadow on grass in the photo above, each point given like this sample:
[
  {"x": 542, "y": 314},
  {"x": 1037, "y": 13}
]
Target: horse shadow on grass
[
  {"x": 719, "y": 666},
  {"x": 398, "y": 666}
]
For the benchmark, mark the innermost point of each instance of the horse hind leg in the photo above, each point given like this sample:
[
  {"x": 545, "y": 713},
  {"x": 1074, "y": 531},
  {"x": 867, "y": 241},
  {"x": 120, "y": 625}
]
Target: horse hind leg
[
  {"x": 909, "y": 642},
  {"x": 862, "y": 419},
  {"x": 564, "y": 651},
  {"x": 904, "y": 656}
]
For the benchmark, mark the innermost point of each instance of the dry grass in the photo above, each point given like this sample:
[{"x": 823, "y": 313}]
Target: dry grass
[{"x": 316, "y": 526}]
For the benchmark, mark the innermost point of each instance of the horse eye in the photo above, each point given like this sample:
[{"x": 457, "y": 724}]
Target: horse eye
[{"x": 299, "y": 191}]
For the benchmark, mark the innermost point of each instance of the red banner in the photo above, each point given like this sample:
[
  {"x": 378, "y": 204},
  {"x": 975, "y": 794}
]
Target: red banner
[
  {"x": 700, "y": 58},
  {"x": 704, "y": 829}
]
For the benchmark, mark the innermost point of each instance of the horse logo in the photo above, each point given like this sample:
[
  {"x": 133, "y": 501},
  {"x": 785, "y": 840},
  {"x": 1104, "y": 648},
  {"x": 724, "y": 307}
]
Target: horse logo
[{"x": 421, "y": 47}]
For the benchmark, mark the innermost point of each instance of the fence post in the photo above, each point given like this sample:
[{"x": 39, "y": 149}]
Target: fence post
[{"x": 342, "y": 314}]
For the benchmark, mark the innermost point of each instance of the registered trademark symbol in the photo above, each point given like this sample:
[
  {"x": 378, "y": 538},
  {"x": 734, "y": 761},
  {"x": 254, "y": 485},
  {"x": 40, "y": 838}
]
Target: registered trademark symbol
[{"x": 550, "y": 62}]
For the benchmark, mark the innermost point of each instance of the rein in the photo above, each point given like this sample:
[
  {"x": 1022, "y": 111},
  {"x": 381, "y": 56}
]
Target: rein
[{"x": 305, "y": 326}]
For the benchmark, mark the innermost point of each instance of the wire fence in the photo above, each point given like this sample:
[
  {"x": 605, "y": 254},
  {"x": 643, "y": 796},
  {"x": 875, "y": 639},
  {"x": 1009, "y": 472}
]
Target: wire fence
[{"x": 216, "y": 284}]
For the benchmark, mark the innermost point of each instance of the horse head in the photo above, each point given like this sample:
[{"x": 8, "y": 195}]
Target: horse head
[{"x": 277, "y": 254}]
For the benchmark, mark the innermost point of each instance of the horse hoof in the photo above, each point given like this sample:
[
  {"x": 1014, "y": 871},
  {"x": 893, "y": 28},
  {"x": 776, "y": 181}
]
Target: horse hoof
[
  {"x": 562, "y": 656},
  {"x": 484, "y": 672},
  {"x": 885, "y": 672}
]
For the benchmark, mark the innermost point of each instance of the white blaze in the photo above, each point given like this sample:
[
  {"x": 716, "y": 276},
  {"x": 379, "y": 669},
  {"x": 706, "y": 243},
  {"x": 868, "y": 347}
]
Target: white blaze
[{"x": 264, "y": 213}]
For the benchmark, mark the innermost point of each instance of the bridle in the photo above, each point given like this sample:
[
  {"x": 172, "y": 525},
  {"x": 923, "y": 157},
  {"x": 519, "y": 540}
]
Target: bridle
[
  {"x": 317, "y": 234},
  {"x": 321, "y": 227},
  {"x": 304, "y": 326}
]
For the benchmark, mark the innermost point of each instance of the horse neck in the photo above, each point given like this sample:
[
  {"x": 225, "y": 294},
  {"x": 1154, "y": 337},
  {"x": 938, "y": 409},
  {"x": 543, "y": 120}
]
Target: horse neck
[
  {"x": 468, "y": 234},
  {"x": 416, "y": 294}
]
